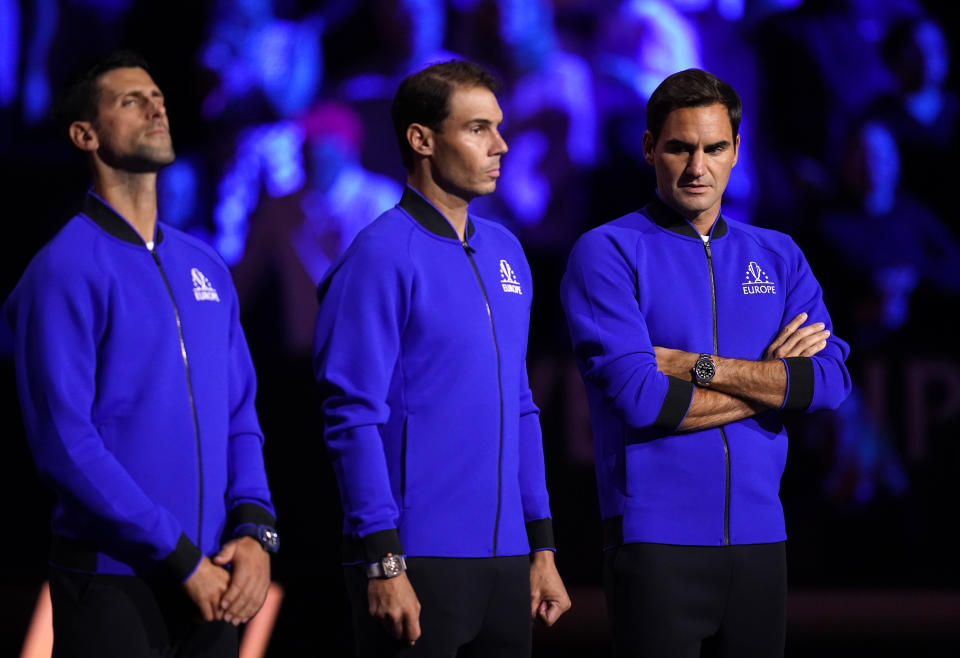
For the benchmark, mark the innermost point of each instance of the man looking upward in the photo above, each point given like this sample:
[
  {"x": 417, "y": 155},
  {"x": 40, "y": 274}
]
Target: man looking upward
[{"x": 138, "y": 391}]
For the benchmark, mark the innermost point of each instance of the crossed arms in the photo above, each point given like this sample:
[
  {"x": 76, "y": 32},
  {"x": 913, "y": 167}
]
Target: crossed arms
[{"x": 742, "y": 388}]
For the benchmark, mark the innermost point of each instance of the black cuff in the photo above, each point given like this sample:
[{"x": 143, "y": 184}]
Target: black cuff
[
  {"x": 540, "y": 535},
  {"x": 378, "y": 544},
  {"x": 799, "y": 383},
  {"x": 249, "y": 513},
  {"x": 183, "y": 560},
  {"x": 675, "y": 404}
]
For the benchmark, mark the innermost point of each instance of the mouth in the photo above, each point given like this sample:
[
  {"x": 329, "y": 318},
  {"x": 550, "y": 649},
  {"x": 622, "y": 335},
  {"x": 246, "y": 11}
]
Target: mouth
[{"x": 694, "y": 188}]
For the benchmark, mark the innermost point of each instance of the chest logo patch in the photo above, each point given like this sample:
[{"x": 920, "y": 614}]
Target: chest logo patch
[
  {"x": 756, "y": 281},
  {"x": 203, "y": 290},
  {"x": 508, "y": 279}
]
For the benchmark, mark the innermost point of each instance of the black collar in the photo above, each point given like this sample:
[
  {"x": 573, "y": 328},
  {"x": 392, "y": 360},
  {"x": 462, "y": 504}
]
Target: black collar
[
  {"x": 671, "y": 220},
  {"x": 429, "y": 217},
  {"x": 110, "y": 221}
]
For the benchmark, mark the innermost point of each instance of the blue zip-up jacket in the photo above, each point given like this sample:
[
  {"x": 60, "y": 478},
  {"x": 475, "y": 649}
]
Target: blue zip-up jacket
[
  {"x": 647, "y": 279},
  {"x": 137, "y": 391},
  {"x": 420, "y": 354}
]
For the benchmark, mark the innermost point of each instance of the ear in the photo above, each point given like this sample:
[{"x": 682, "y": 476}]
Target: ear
[
  {"x": 83, "y": 136},
  {"x": 420, "y": 139},
  {"x": 649, "y": 146},
  {"x": 736, "y": 149}
]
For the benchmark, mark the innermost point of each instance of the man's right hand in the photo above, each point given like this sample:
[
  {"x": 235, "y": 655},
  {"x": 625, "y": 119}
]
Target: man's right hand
[
  {"x": 794, "y": 340},
  {"x": 394, "y": 604},
  {"x": 205, "y": 588}
]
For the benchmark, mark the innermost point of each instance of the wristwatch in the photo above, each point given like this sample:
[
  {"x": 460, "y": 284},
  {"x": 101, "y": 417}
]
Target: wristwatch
[
  {"x": 704, "y": 370},
  {"x": 264, "y": 534},
  {"x": 389, "y": 566}
]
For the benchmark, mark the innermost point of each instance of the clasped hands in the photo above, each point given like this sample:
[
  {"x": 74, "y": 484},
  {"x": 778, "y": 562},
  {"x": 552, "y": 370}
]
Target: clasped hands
[{"x": 236, "y": 595}]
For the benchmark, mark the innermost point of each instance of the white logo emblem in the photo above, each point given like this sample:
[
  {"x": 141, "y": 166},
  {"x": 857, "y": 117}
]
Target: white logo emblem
[
  {"x": 203, "y": 290},
  {"x": 756, "y": 281},
  {"x": 508, "y": 279}
]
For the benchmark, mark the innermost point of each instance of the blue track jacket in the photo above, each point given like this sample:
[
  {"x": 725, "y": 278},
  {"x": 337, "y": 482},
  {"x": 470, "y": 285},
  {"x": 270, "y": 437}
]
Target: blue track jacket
[
  {"x": 648, "y": 279},
  {"x": 137, "y": 391},
  {"x": 420, "y": 354}
]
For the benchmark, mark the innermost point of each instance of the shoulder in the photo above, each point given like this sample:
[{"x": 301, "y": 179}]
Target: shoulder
[
  {"x": 619, "y": 235},
  {"x": 386, "y": 237},
  {"x": 382, "y": 246},
  {"x": 70, "y": 253},
  {"x": 496, "y": 231},
  {"x": 769, "y": 239},
  {"x": 194, "y": 246}
]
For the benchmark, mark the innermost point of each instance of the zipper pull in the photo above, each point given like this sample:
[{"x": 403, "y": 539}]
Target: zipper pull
[{"x": 467, "y": 247}]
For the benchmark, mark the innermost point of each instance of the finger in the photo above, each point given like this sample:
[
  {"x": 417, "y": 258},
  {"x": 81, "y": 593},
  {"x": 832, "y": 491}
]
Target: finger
[
  {"x": 552, "y": 613},
  {"x": 226, "y": 554},
  {"x": 412, "y": 627},
  {"x": 534, "y": 604},
  {"x": 239, "y": 582},
  {"x": 815, "y": 349},
  {"x": 789, "y": 347},
  {"x": 208, "y": 611},
  {"x": 395, "y": 626},
  {"x": 787, "y": 330},
  {"x": 805, "y": 343}
]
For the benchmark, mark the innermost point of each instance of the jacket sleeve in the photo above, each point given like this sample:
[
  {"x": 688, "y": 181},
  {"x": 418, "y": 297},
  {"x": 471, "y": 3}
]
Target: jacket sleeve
[
  {"x": 821, "y": 381},
  {"x": 363, "y": 308},
  {"x": 248, "y": 494},
  {"x": 533, "y": 479},
  {"x": 610, "y": 338},
  {"x": 58, "y": 319}
]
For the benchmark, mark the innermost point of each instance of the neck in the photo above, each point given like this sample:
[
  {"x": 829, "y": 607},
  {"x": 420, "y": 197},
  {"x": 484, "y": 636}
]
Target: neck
[
  {"x": 453, "y": 207},
  {"x": 134, "y": 196},
  {"x": 704, "y": 222}
]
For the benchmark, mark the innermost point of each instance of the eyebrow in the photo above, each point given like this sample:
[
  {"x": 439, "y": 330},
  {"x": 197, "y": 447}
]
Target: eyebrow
[
  {"x": 680, "y": 144},
  {"x": 155, "y": 93}
]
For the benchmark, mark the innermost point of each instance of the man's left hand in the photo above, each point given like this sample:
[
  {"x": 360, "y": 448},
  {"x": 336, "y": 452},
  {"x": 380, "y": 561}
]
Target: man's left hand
[
  {"x": 548, "y": 596},
  {"x": 249, "y": 578}
]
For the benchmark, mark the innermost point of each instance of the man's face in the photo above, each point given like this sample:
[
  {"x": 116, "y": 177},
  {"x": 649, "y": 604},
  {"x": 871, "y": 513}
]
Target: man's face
[
  {"x": 468, "y": 148},
  {"x": 132, "y": 129},
  {"x": 693, "y": 158}
]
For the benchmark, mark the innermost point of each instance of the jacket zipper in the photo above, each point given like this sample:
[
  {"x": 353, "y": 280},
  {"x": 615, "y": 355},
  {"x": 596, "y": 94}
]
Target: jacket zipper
[
  {"x": 486, "y": 302},
  {"x": 193, "y": 406},
  {"x": 723, "y": 434}
]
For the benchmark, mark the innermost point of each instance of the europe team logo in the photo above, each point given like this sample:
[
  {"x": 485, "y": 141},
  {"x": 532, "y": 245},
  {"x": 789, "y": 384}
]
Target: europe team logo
[
  {"x": 203, "y": 290},
  {"x": 756, "y": 281},
  {"x": 508, "y": 279}
]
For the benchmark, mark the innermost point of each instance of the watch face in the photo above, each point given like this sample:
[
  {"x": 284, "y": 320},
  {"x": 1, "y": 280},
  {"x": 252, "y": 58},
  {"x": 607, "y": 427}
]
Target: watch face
[
  {"x": 269, "y": 539},
  {"x": 392, "y": 566},
  {"x": 704, "y": 369}
]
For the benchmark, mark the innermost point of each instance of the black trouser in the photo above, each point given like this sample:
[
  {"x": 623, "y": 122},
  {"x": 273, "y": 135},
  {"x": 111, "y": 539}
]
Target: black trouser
[
  {"x": 469, "y": 607},
  {"x": 670, "y": 601},
  {"x": 129, "y": 617}
]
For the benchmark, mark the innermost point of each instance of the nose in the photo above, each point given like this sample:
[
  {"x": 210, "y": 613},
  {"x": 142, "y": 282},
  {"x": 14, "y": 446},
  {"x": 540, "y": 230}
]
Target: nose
[
  {"x": 695, "y": 164},
  {"x": 156, "y": 107},
  {"x": 499, "y": 144}
]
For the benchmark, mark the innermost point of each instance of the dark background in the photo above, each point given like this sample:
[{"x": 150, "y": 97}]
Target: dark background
[{"x": 270, "y": 105}]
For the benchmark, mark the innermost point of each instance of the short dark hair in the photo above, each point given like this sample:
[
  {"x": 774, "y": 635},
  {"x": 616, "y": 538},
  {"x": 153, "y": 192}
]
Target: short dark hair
[
  {"x": 424, "y": 98},
  {"x": 78, "y": 101},
  {"x": 691, "y": 88}
]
